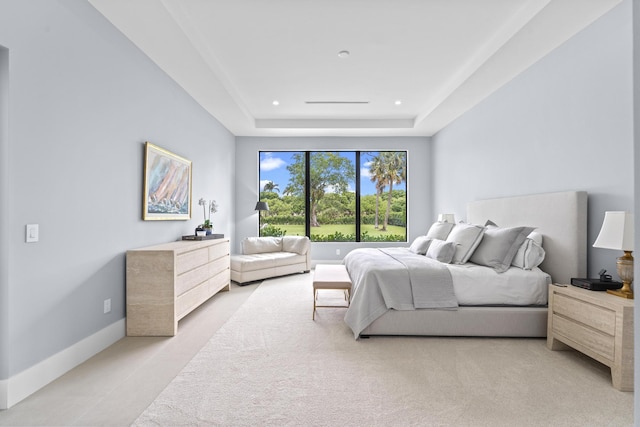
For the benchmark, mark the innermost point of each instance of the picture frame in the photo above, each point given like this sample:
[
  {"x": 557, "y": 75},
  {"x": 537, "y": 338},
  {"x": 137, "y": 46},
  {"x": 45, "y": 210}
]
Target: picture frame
[{"x": 167, "y": 185}]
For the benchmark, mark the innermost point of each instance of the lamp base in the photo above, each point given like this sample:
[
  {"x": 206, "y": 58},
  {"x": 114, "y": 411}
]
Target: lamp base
[
  {"x": 621, "y": 293},
  {"x": 625, "y": 271}
]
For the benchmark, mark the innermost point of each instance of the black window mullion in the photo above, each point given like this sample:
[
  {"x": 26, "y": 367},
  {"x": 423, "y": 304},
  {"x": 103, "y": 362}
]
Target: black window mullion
[
  {"x": 307, "y": 192},
  {"x": 357, "y": 218}
]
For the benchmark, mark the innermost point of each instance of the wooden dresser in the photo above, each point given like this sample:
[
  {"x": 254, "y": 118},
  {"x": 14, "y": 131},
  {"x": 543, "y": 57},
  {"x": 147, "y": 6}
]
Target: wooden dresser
[
  {"x": 597, "y": 324},
  {"x": 166, "y": 282}
]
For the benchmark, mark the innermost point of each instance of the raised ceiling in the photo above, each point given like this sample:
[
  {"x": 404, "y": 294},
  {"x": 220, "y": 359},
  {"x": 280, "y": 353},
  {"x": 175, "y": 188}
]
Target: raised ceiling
[{"x": 439, "y": 58}]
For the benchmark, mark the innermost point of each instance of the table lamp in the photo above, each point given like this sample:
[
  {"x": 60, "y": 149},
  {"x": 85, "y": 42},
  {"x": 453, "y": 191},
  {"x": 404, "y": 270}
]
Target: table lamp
[
  {"x": 617, "y": 233},
  {"x": 447, "y": 217}
]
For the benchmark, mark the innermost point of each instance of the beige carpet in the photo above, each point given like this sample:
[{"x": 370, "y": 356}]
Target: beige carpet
[{"x": 270, "y": 364}]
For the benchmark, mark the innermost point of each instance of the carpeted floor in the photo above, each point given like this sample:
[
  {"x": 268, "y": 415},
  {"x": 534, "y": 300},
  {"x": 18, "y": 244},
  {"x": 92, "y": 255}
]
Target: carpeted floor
[{"x": 270, "y": 364}]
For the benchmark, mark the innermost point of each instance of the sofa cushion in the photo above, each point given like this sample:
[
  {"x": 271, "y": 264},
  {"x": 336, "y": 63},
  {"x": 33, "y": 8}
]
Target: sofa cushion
[
  {"x": 297, "y": 244},
  {"x": 288, "y": 258},
  {"x": 253, "y": 262},
  {"x": 258, "y": 245}
]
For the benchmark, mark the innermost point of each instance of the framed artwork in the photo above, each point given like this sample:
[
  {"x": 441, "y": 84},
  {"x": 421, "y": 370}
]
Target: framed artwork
[{"x": 167, "y": 185}]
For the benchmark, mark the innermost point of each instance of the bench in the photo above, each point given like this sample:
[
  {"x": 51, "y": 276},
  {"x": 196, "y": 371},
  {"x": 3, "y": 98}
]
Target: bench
[{"x": 330, "y": 276}]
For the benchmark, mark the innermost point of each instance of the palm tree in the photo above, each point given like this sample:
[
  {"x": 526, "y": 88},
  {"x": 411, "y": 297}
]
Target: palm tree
[
  {"x": 271, "y": 187},
  {"x": 395, "y": 164},
  {"x": 377, "y": 172}
]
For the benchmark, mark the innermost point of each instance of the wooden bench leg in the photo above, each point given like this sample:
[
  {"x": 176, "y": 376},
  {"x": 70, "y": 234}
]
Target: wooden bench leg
[{"x": 315, "y": 298}]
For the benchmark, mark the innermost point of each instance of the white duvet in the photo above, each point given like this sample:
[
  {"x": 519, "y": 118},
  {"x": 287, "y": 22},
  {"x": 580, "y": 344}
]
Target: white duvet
[
  {"x": 381, "y": 284},
  {"x": 477, "y": 285}
]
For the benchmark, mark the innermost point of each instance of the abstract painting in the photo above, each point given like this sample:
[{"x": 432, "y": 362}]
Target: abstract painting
[{"x": 167, "y": 185}]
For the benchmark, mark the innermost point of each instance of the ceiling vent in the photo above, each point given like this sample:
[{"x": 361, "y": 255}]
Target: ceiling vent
[{"x": 336, "y": 102}]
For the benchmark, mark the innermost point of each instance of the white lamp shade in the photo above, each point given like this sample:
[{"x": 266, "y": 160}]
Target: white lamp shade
[
  {"x": 616, "y": 232},
  {"x": 446, "y": 218}
]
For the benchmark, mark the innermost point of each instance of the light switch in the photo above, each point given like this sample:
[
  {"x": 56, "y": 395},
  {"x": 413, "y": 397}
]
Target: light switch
[{"x": 32, "y": 233}]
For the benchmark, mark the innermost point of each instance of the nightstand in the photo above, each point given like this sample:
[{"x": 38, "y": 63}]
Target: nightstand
[{"x": 597, "y": 324}]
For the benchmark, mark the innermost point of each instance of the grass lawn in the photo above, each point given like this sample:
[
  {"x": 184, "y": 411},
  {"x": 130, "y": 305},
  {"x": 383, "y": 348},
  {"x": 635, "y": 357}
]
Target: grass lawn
[{"x": 324, "y": 230}]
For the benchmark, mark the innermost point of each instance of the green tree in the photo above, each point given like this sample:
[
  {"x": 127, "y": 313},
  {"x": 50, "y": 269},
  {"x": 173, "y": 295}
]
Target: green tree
[
  {"x": 271, "y": 187},
  {"x": 377, "y": 171},
  {"x": 395, "y": 172},
  {"x": 328, "y": 170}
]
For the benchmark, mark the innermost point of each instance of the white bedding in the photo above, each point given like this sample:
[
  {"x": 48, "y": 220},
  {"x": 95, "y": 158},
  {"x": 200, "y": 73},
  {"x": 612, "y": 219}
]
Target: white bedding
[
  {"x": 477, "y": 285},
  {"x": 382, "y": 282}
]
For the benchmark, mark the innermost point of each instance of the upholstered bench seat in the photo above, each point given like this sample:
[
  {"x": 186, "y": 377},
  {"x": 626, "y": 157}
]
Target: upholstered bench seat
[
  {"x": 330, "y": 276},
  {"x": 266, "y": 257}
]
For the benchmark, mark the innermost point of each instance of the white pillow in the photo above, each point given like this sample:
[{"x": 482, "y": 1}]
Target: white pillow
[
  {"x": 259, "y": 245},
  {"x": 530, "y": 254},
  {"x": 440, "y": 230},
  {"x": 420, "y": 245},
  {"x": 296, "y": 244},
  {"x": 499, "y": 246},
  {"x": 467, "y": 238},
  {"x": 536, "y": 237},
  {"x": 441, "y": 251}
]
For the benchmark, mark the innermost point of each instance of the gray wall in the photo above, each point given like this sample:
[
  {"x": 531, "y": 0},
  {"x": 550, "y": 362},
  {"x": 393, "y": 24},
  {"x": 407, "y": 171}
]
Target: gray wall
[
  {"x": 82, "y": 102},
  {"x": 564, "y": 124},
  {"x": 247, "y": 186}
]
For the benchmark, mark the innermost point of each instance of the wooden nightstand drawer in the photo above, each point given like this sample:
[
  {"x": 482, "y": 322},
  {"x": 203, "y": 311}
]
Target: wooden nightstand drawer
[
  {"x": 598, "y": 318},
  {"x": 597, "y": 324},
  {"x": 589, "y": 338}
]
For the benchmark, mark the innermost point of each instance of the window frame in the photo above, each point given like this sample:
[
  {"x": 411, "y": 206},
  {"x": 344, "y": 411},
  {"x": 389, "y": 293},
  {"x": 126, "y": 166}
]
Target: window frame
[{"x": 357, "y": 180}]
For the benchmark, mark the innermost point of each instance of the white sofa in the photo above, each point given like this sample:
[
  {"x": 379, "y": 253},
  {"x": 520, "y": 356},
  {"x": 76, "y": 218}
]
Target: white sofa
[{"x": 265, "y": 257}]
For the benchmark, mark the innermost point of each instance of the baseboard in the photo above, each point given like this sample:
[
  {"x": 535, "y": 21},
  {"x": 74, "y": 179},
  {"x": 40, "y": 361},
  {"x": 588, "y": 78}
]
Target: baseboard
[{"x": 27, "y": 382}]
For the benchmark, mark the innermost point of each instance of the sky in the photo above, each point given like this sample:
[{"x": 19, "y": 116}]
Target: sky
[{"x": 273, "y": 167}]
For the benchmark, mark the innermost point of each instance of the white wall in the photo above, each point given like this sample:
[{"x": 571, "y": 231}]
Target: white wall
[
  {"x": 564, "y": 124},
  {"x": 247, "y": 185},
  {"x": 82, "y": 101}
]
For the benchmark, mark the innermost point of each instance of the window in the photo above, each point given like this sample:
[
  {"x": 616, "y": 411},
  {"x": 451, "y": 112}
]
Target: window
[{"x": 353, "y": 196}]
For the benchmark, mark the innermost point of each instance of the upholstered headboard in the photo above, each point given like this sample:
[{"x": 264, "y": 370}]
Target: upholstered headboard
[{"x": 561, "y": 218}]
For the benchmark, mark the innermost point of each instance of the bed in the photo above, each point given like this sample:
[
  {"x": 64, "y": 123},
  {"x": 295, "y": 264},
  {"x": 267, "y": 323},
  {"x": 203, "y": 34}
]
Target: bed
[{"x": 560, "y": 217}]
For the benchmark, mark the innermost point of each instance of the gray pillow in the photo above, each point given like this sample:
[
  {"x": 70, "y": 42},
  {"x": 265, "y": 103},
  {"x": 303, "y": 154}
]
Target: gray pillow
[
  {"x": 440, "y": 230},
  {"x": 441, "y": 251},
  {"x": 499, "y": 246},
  {"x": 420, "y": 245},
  {"x": 467, "y": 238}
]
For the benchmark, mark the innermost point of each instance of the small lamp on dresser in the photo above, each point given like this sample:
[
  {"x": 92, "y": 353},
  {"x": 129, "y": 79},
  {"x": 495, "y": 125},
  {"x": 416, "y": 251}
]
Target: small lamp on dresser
[
  {"x": 447, "y": 217},
  {"x": 617, "y": 233}
]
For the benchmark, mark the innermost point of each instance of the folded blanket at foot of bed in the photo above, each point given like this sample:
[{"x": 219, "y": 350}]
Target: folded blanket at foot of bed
[{"x": 394, "y": 278}]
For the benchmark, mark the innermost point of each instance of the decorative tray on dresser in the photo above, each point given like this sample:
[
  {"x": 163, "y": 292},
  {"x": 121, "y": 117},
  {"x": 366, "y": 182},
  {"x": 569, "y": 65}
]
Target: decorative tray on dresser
[{"x": 595, "y": 323}]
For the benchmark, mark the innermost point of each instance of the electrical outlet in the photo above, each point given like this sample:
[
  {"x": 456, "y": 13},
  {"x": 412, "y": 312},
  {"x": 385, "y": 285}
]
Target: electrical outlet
[
  {"x": 107, "y": 306},
  {"x": 337, "y": 251}
]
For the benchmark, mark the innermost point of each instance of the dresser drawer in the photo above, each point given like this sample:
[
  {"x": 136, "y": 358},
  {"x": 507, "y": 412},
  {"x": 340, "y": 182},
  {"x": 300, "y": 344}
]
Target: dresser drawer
[
  {"x": 595, "y": 341},
  {"x": 219, "y": 251},
  {"x": 599, "y": 318},
  {"x": 191, "y": 278},
  {"x": 192, "y": 259},
  {"x": 218, "y": 265},
  {"x": 197, "y": 295}
]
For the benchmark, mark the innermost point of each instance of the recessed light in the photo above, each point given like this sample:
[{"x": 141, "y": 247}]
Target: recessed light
[
  {"x": 343, "y": 54},
  {"x": 398, "y": 102},
  {"x": 276, "y": 103}
]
